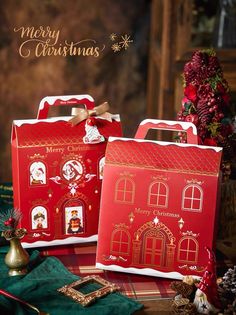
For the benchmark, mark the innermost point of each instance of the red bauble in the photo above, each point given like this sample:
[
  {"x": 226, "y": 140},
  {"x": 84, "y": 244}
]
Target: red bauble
[{"x": 192, "y": 118}]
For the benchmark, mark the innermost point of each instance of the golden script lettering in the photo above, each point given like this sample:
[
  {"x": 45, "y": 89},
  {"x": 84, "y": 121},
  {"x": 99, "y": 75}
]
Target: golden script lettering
[{"x": 43, "y": 41}]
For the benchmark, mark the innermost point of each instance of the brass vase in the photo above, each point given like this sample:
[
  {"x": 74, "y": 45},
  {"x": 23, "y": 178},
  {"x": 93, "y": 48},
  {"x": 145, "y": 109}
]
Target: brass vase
[{"x": 17, "y": 257}]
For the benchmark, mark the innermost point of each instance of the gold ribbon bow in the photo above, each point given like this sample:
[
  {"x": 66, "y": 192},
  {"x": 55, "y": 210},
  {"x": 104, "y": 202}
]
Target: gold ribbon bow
[{"x": 80, "y": 114}]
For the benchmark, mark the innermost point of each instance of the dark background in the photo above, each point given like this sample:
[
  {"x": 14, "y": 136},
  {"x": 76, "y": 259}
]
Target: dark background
[{"x": 119, "y": 78}]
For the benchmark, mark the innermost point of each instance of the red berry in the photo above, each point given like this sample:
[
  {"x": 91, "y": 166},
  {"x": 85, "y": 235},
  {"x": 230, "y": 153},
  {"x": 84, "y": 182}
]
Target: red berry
[{"x": 11, "y": 221}]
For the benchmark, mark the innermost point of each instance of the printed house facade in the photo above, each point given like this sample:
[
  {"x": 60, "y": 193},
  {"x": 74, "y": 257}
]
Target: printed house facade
[
  {"x": 57, "y": 177},
  {"x": 158, "y": 207}
]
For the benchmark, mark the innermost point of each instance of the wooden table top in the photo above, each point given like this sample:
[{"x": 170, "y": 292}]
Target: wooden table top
[{"x": 157, "y": 307}]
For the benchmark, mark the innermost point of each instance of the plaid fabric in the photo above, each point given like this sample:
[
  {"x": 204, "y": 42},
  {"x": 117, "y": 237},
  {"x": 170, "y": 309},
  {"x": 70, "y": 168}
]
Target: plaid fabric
[{"x": 80, "y": 260}]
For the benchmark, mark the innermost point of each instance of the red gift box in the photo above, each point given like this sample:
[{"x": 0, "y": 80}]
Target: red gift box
[
  {"x": 159, "y": 204},
  {"x": 57, "y": 172}
]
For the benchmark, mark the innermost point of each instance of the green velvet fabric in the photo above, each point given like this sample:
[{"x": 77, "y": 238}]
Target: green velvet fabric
[
  {"x": 39, "y": 287},
  {"x": 6, "y": 202}
]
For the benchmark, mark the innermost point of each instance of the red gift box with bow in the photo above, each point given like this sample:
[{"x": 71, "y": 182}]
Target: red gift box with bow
[{"x": 57, "y": 167}]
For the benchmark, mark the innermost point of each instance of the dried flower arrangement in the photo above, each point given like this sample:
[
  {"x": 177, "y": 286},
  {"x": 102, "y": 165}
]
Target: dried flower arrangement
[{"x": 206, "y": 102}]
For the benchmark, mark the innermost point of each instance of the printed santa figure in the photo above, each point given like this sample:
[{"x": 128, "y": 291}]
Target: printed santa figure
[
  {"x": 207, "y": 297},
  {"x": 37, "y": 175},
  {"x": 92, "y": 134},
  {"x": 74, "y": 223}
]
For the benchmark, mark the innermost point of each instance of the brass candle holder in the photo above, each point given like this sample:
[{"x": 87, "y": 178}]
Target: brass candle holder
[{"x": 16, "y": 258}]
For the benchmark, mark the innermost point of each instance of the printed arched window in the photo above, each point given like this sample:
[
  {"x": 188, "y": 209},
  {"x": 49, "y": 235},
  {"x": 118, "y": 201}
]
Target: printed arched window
[
  {"x": 74, "y": 212},
  {"x": 120, "y": 242},
  {"x": 158, "y": 194},
  {"x": 124, "y": 191},
  {"x": 192, "y": 198},
  {"x": 188, "y": 250}
]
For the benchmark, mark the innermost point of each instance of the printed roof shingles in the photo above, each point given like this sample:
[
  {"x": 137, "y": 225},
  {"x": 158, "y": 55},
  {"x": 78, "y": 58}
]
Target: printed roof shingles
[{"x": 169, "y": 157}]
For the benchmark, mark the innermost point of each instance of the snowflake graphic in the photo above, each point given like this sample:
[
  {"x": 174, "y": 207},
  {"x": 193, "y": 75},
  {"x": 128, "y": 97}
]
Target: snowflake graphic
[
  {"x": 116, "y": 47},
  {"x": 113, "y": 37},
  {"x": 125, "y": 41}
]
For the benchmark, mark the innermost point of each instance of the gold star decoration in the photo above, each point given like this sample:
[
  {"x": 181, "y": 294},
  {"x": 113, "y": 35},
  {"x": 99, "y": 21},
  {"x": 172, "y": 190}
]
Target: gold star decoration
[
  {"x": 116, "y": 47},
  {"x": 113, "y": 37}
]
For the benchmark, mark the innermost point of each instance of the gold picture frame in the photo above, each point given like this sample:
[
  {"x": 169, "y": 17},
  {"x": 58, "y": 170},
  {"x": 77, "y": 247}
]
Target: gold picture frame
[{"x": 72, "y": 290}]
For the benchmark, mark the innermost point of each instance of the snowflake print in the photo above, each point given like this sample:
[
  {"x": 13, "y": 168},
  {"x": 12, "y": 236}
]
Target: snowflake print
[
  {"x": 125, "y": 41},
  {"x": 116, "y": 47},
  {"x": 120, "y": 42},
  {"x": 113, "y": 37}
]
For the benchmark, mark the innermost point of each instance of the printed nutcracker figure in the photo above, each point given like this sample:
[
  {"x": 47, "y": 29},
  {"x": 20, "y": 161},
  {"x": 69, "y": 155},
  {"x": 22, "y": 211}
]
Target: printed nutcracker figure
[{"x": 74, "y": 225}]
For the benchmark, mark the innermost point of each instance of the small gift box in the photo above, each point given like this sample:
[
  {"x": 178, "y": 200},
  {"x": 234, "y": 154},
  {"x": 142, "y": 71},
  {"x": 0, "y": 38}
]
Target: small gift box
[{"x": 57, "y": 166}]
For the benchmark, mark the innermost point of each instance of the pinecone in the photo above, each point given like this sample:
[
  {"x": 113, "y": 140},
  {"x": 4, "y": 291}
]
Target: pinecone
[
  {"x": 183, "y": 307},
  {"x": 203, "y": 112},
  {"x": 229, "y": 281},
  {"x": 214, "y": 67},
  {"x": 200, "y": 62},
  {"x": 205, "y": 92},
  {"x": 199, "y": 59},
  {"x": 189, "y": 74},
  {"x": 227, "y": 292},
  {"x": 183, "y": 288}
]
